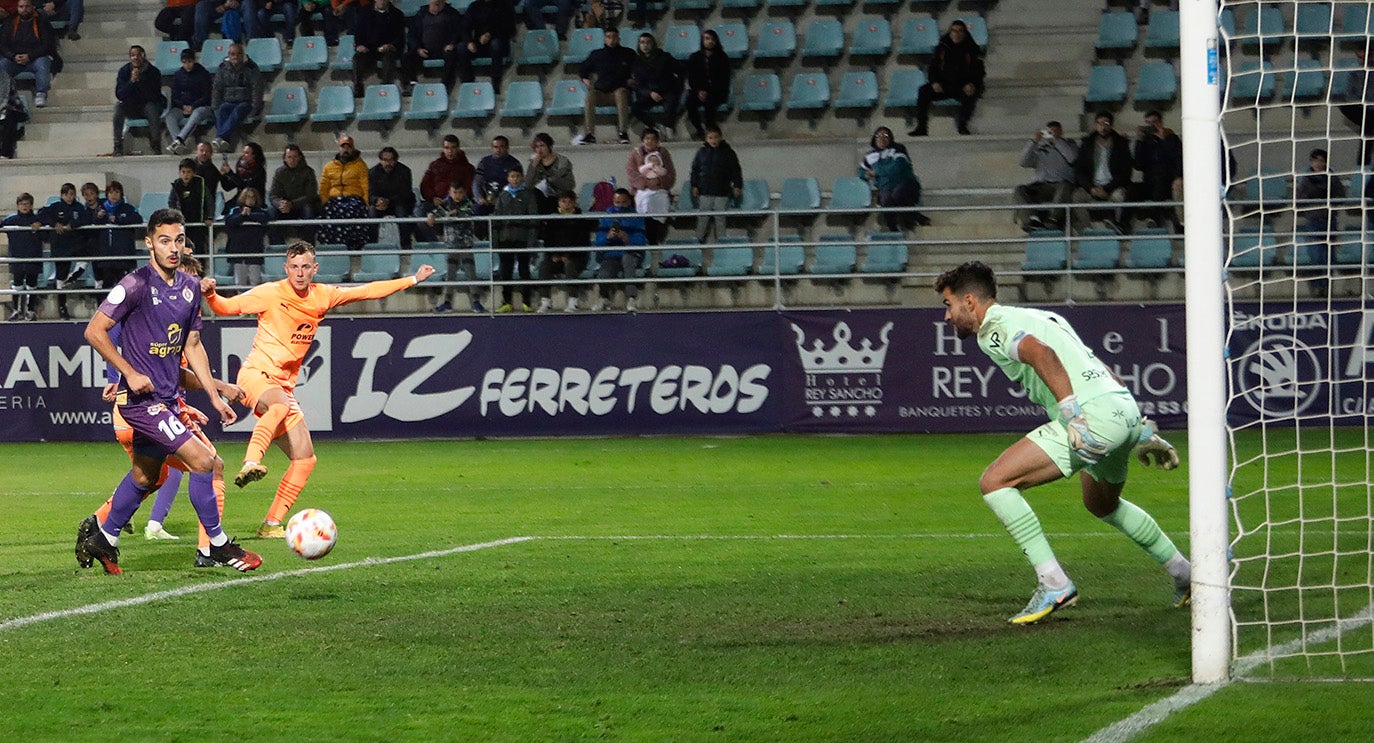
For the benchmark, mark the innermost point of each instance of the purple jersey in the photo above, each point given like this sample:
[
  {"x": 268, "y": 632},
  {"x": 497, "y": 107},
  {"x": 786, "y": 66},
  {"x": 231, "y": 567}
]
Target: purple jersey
[{"x": 156, "y": 318}]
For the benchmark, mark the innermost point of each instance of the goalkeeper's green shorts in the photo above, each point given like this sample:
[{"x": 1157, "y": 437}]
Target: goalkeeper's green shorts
[{"x": 1114, "y": 419}]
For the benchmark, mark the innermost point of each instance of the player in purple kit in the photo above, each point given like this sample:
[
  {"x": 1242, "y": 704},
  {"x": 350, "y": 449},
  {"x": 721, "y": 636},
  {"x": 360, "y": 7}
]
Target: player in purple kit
[{"x": 159, "y": 308}]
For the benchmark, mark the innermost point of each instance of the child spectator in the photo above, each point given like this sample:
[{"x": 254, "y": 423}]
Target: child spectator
[
  {"x": 616, "y": 232},
  {"x": 24, "y": 245},
  {"x": 64, "y": 216},
  {"x": 456, "y": 210},
  {"x": 716, "y": 179},
  {"x": 513, "y": 237},
  {"x": 568, "y": 264},
  {"x": 246, "y": 225},
  {"x": 115, "y": 245}
]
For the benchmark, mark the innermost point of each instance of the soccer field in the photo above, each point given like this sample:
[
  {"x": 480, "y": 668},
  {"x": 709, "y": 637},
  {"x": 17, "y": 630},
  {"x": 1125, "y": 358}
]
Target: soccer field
[{"x": 771, "y": 588}]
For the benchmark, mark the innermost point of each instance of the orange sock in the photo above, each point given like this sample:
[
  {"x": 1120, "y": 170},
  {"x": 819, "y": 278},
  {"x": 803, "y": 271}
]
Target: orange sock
[
  {"x": 264, "y": 431},
  {"x": 204, "y": 542},
  {"x": 292, "y": 483}
]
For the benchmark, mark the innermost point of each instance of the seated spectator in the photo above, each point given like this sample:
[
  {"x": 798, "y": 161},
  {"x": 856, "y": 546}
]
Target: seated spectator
[
  {"x": 189, "y": 107},
  {"x": 1102, "y": 171},
  {"x": 1052, "y": 156},
  {"x": 238, "y": 20},
  {"x": 70, "y": 11},
  {"x": 606, "y": 73},
  {"x": 192, "y": 196},
  {"x": 603, "y": 13},
  {"x": 116, "y": 254},
  {"x": 565, "y": 249},
  {"x": 177, "y": 20},
  {"x": 380, "y": 36},
  {"x": 290, "y": 12},
  {"x": 488, "y": 32},
  {"x": 28, "y": 44},
  {"x": 236, "y": 95},
  {"x": 451, "y": 166},
  {"x": 456, "y": 211},
  {"x": 1159, "y": 158},
  {"x": 64, "y": 216},
  {"x": 955, "y": 71},
  {"x": 1318, "y": 194},
  {"x": 550, "y": 173},
  {"x": 340, "y": 17},
  {"x": 655, "y": 81},
  {"x": 514, "y": 239},
  {"x": 12, "y": 114},
  {"x": 616, "y": 233},
  {"x": 391, "y": 189},
  {"x": 246, "y": 225},
  {"x": 295, "y": 194},
  {"x": 249, "y": 172},
  {"x": 534, "y": 16},
  {"x": 138, "y": 95},
  {"x": 24, "y": 274},
  {"x": 343, "y": 192},
  {"x": 434, "y": 32},
  {"x": 888, "y": 168},
  {"x": 651, "y": 176},
  {"x": 716, "y": 179},
  {"x": 708, "y": 83},
  {"x": 492, "y": 173}
]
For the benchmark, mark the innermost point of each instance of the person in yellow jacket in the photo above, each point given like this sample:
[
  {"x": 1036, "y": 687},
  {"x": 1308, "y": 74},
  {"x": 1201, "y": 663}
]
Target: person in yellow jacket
[{"x": 343, "y": 191}]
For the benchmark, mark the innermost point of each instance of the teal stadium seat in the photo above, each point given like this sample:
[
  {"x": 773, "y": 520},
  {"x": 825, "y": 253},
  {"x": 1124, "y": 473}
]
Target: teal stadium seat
[
  {"x": 381, "y": 103},
  {"x": 1117, "y": 30},
  {"x": 786, "y": 4},
  {"x": 731, "y": 261},
  {"x": 1226, "y": 23},
  {"x": 902, "y": 87},
  {"x": 785, "y": 258},
  {"x": 756, "y": 196},
  {"x": 308, "y": 54},
  {"x": 1350, "y": 249},
  {"x": 1313, "y": 22},
  {"x": 1046, "y": 250},
  {"x": 680, "y": 246},
  {"x": 151, "y": 201},
  {"x": 920, "y": 35},
  {"x": 1163, "y": 30},
  {"x": 475, "y": 101},
  {"x": 872, "y": 38},
  {"x": 1273, "y": 190},
  {"x": 835, "y": 254},
  {"x": 524, "y": 100},
  {"x": 760, "y": 91},
  {"x": 212, "y": 53},
  {"x": 1150, "y": 252},
  {"x": 333, "y": 268},
  {"x": 377, "y": 266},
  {"x": 742, "y": 4},
  {"x": 977, "y": 29},
  {"x": 1342, "y": 69},
  {"x": 223, "y": 273},
  {"x": 1356, "y": 22},
  {"x": 693, "y": 5},
  {"x": 1253, "y": 82},
  {"x": 810, "y": 90},
  {"x": 857, "y": 90},
  {"x": 430, "y": 253},
  {"x": 886, "y": 253},
  {"x": 1097, "y": 254},
  {"x": 334, "y": 103},
  {"x": 167, "y": 56},
  {"x": 1253, "y": 250},
  {"x": 1304, "y": 82},
  {"x": 734, "y": 40},
  {"x": 569, "y": 98},
  {"x": 586, "y": 194},
  {"x": 1262, "y": 27},
  {"x": 777, "y": 40},
  {"x": 581, "y": 42},
  {"x": 800, "y": 194},
  {"x": 265, "y": 53},
  {"x": 851, "y": 192},
  {"x": 682, "y": 40},
  {"x": 1157, "y": 82},
  {"x": 824, "y": 40},
  {"x": 1106, "y": 84},
  {"x": 288, "y": 105},
  {"x": 343, "y": 53},
  {"x": 539, "y": 48},
  {"x": 428, "y": 102}
]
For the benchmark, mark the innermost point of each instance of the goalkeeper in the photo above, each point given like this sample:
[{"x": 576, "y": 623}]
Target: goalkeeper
[{"x": 1094, "y": 426}]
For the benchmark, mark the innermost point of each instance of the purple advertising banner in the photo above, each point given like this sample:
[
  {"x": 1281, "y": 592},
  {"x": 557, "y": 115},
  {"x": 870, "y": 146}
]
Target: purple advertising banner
[{"x": 885, "y": 370}]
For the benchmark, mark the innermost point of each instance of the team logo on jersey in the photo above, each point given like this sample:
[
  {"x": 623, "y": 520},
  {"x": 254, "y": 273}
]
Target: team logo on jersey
[
  {"x": 844, "y": 380},
  {"x": 186, "y": 293},
  {"x": 174, "y": 334},
  {"x": 156, "y": 409}
]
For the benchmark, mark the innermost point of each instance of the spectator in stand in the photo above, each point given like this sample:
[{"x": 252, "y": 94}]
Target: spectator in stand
[
  {"x": 566, "y": 242},
  {"x": 295, "y": 194},
  {"x": 606, "y": 73},
  {"x": 888, "y": 168},
  {"x": 343, "y": 191},
  {"x": 238, "y": 20},
  {"x": 12, "y": 114},
  {"x": 1319, "y": 196},
  {"x": 550, "y": 173},
  {"x": 340, "y": 17},
  {"x": 492, "y": 174},
  {"x": 488, "y": 32},
  {"x": 955, "y": 71},
  {"x": 24, "y": 274},
  {"x": 534, "y": 16},
  {"x": 28, "y": 44},
  {"x": 391, "y": 189},
  {"x": 616, "y": 233},
  {"x": 290, "y": 12},
  {"x": 205, "y": 168},
  {"x": 246, "y": 225},
  {"x": 192, "y": 196},
  {"x": 434, "y": 32},
  {"x": 91, "y": 239},
  {"x": 116, "y": 256},
  {"x": 451, "y": 166},
  {"x": 70, "y": 11},
  {"x": 716, "y": 179},
  {"x": 249, "y": 172},
  {"x": 138, "y": 95},
  {"x": 64, "y": 216},
  {"x": 1102, "y": 171},
  {"x": 1052, "y": 156},
  {"x": 651, "y": 176},
  {"x": 708, "y": 83},
  {"x": 456, "y": 211},
  {"x": 380, "y": 36},
  {"x": 1360, "y": 93},
  {"x": 189, "y": 108},
  {"x": 177, "y": 21},
  {"x": 514, "y": 239},
  {"x": 656, "y": 80},
  {"x": 1159, "y": 158},
  {"x": 236, "y": 95}
]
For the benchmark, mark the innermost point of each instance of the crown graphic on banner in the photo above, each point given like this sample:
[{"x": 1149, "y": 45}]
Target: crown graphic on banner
[{"x": 842, "y": 357}]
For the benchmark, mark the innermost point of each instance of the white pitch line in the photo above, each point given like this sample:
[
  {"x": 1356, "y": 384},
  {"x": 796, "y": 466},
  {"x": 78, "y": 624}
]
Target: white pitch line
[{"x": 1153, "y": 714}]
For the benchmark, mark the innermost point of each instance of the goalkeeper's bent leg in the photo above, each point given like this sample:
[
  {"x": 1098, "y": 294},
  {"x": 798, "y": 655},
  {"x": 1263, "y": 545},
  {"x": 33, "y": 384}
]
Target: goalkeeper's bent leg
[
  {"x": 1134, "y": 522},
  {"x": 1023, "y": 525}
]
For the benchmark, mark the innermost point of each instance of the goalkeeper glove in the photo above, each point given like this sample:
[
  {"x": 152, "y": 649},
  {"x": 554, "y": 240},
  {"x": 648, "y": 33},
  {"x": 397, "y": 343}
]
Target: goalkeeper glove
[
  {"x": 1153, "y": 446},
  {"x": 1081, "y": 438}
]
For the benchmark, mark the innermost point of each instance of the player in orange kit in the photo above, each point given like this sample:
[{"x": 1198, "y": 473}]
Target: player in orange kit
[{"x": 289, "y": 312}]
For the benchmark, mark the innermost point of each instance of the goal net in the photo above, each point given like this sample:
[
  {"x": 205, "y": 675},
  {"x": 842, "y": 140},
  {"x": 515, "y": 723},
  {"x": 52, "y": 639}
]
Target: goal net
[{"x": 1298, "y": 143}]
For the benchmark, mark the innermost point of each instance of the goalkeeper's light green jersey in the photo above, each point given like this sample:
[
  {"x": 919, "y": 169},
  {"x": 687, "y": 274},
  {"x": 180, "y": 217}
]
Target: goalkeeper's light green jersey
[{"x": 1005, "y": 327}]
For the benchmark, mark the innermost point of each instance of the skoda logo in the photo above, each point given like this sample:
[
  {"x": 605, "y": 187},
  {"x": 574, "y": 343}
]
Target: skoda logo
[{"x": 1279, "y": 377}]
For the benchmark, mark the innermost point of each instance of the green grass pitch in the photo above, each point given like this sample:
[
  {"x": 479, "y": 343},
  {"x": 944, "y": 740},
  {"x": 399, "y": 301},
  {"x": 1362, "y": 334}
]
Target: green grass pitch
[{"x": 774, "y": 588}]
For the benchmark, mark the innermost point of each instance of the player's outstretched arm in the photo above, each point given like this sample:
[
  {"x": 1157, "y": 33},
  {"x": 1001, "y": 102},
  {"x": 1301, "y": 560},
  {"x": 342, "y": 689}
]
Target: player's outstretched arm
[
  {"x": 250, "y": 302},
  {"x": 378, "y": 289},
  {"x": 1050, "y": 369}
]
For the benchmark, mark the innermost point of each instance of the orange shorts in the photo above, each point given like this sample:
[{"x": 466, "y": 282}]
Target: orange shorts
[{"x": 255, "y": 384}]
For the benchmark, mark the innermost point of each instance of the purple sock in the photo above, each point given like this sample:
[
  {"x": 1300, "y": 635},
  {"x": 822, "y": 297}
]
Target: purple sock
[
  {"x": 202, "y": 490},
  {"x": 165, "y": 495},
  {"x": 127, "y": 498}
]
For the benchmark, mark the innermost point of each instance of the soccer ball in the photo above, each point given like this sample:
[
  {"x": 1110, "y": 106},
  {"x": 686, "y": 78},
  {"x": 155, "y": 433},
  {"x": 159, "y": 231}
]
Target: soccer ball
[{"x": 311, "y": 534}]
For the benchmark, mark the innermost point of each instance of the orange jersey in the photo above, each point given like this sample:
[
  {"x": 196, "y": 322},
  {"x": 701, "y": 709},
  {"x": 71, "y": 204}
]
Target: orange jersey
[{"x": 287, "y": 322}]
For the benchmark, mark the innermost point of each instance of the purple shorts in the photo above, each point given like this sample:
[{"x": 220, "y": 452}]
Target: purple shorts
[{"x": 158, "y": 431}]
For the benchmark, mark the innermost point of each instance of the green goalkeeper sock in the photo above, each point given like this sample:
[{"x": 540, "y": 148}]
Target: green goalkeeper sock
[
  {"x": 1021, "y": 522},
  {"x": 1142, "y": 529}
]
